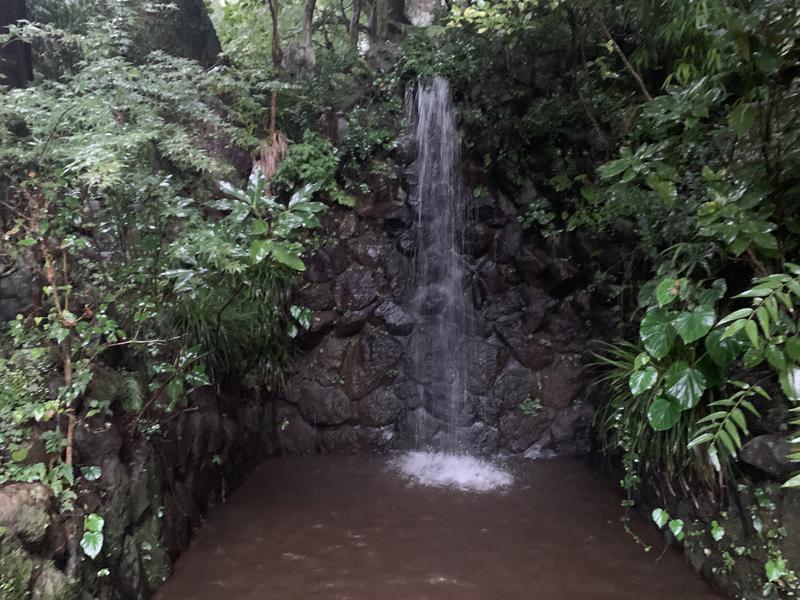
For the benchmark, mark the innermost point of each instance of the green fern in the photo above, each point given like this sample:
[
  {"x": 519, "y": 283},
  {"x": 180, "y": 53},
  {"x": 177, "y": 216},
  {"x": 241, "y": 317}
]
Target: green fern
[{"x": 724, "y": 428}]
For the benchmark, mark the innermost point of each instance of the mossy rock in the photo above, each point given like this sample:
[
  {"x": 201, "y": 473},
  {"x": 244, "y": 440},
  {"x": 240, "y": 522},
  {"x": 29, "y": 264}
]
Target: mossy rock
[
  {"x": 52, "y": 584},
  {"x": 16, "y": 568}
]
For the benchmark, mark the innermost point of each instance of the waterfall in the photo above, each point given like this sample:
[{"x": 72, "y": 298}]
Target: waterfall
[{"x": 440, "y": 299}]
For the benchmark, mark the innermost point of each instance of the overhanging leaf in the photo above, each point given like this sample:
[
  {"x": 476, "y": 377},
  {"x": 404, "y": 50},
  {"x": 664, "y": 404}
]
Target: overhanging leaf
[
  {"x": 685, "y": 385},
  {"x": 663, "y": 414},
  {"x": 693, "y": 325},
  {"x": 657, "y": 333},
  {"x": 641, "y": 381}
]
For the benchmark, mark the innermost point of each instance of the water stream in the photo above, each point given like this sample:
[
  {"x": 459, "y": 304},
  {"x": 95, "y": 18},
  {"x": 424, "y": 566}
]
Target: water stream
[{"x": 440, "y": 301}]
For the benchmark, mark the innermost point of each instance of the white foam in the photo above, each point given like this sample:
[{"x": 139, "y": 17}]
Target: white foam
[{"x": 462, "y": 472}]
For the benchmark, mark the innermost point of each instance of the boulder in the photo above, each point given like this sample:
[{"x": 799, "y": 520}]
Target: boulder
[
  {"x": 531, "y": 264},
  {"x": 393, "y": 318},
  {"x": 531, "y": 351},
  {"x": 355, "y": 289},
  {"x": 25, "y": 511},
  {"x": 770, "y": 453},
  {"x": 559, "y": 384},
  {"x": 315, "y": 296},
  {"x": 52, "y": 584},
  {"x": 484, "y": 360},
  {"x": 380, "y": 407},
  {"x": 341, "y": 440},
  {"x": 370, "y": 362},
  {"x": 513, "y": 386},
  {"x": 295, "y": 436},
  {"x": 321, "y": 405},
  {"x": 478, "y": 238},
  {"x": 519, "y": 431},
  {"x": 509, "y": 241},
  {"x": 326, "y": 263}
]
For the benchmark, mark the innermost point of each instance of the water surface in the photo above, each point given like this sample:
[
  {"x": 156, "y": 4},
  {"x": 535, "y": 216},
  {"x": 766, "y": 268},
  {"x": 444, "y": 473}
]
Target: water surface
[{"x": 350, "y": 528}]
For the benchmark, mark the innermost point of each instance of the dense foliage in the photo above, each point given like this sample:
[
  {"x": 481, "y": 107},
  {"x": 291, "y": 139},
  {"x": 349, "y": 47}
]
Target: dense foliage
[{"x": 666, "y": 129}]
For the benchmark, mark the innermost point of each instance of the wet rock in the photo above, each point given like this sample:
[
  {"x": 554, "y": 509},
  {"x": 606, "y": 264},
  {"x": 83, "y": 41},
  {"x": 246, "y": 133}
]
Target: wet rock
[
  {"x": 155, "y": 563},
  {"x": 509, "y": 241},
  {"x": 397, "y": 217},
  {"x": 95, "y": 441},
  {"x": 519, "y": 431},
  {"x": 569, "y": 431},
  {"x": 531, "y": 351},
  {"x": 370, "y": 362},
  {"x": 537, "y": 307},
  {"x": 16, "y": 568},
  {"x": 295, "y": 436},
  {"x": 130, "y": 570},
  {"x": 393, "y": 318},
  {"x": 354, "y": 289},
  {"x": 478, "y": 239},
  {"x": 145, "y": 483},
  {"x": 407, "y": 243},
  {"x": 25, "y": 511},
  {"x": 379, "y": 407},
  {"x": 52, "y": 584},
  {"x": 316, "y": 296},
  {"x": 418, "y": 427},
  {"x": 369, "y": 250},
  {"x": 377, "y": 439},
  {"x": 341, "y": 440},
  {"x": 508, "y": 305},
  {"x": 513, "y": 386},
  {"x": 322, "y": 322},
  {"x": 560, "y": 384},
  {"x": 484, "y": 360},
  {"x": 491, "y": 278},
  {"x": 397, "y": 270},
  {"x": 566, "y": 327},
  {"x": 770, "y": 453},
  {"x": 325, "y": 363},
  {"x": 353, "y": 321},
  {"x": 321, "y": 405},
  {"x": 531, "y": 263},
  {"x": 326, "y": 263},
  {"x": 483, "y": 439},
  {"x": 349, "y": 225},
  {"x": 561, "y": 271}
]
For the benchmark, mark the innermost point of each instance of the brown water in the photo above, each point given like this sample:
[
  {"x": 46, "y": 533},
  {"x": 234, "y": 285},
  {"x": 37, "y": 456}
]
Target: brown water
[{"x": 347, "y": 528}]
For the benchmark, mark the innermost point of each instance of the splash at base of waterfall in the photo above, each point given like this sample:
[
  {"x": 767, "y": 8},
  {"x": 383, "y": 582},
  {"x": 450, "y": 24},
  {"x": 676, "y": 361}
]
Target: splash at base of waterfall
[{"x": 462, "y": 472}]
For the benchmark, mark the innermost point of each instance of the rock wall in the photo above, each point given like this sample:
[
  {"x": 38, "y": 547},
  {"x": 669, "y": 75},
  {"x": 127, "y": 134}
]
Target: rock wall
[
  {"x": 153, "y": 490},
  {"x": 354, "y": 389}
]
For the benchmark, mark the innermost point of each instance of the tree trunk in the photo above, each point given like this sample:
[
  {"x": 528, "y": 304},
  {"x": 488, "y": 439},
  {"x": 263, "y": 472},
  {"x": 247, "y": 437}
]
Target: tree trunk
[
  {"x": 354, "y": 18},
  {"x": 15, "y": 58},
  {"x": 308, "y": 22}
]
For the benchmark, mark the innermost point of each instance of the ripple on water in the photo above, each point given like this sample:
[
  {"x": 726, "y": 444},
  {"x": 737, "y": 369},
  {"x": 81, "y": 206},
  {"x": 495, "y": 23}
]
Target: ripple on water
[{"x": 458, "y": 471}]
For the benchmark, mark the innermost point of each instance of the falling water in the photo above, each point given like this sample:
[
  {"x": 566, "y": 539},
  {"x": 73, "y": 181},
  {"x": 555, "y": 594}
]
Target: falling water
[{"x": 440, "y": 300}]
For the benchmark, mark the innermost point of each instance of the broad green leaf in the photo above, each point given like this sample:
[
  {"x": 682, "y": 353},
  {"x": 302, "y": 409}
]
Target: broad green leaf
[
  {"x": 663, "y": 414},
  {"x": 742, "y": 117},
  {"x": 685, "y": 384},
  {"x": 794, "y": 482},
  {"x": 664, "y": 188},
  {"x": 91, "y": 473},
  {"x": 717, "y": 531},
  {"x": 259, "y": 250},
  {"x": 676, "y": 527},
  {"x": 666, "y": 291},
  {"x": 92, "y": 543},
  {"x": 259, "y": 227},
  {"x": 657, "y": 333},
  {"x": 763, "y": 319},
  {"x": 722, "y": 351},
  {"x": 288, "y": 258},
  {"x": 660, "y": 517},
  {"x": 19, "y": 454},
  {"x": 93, "y": 522},
  {"x": 641, "y": 381},
  {"x": 691, "y": 326}
]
